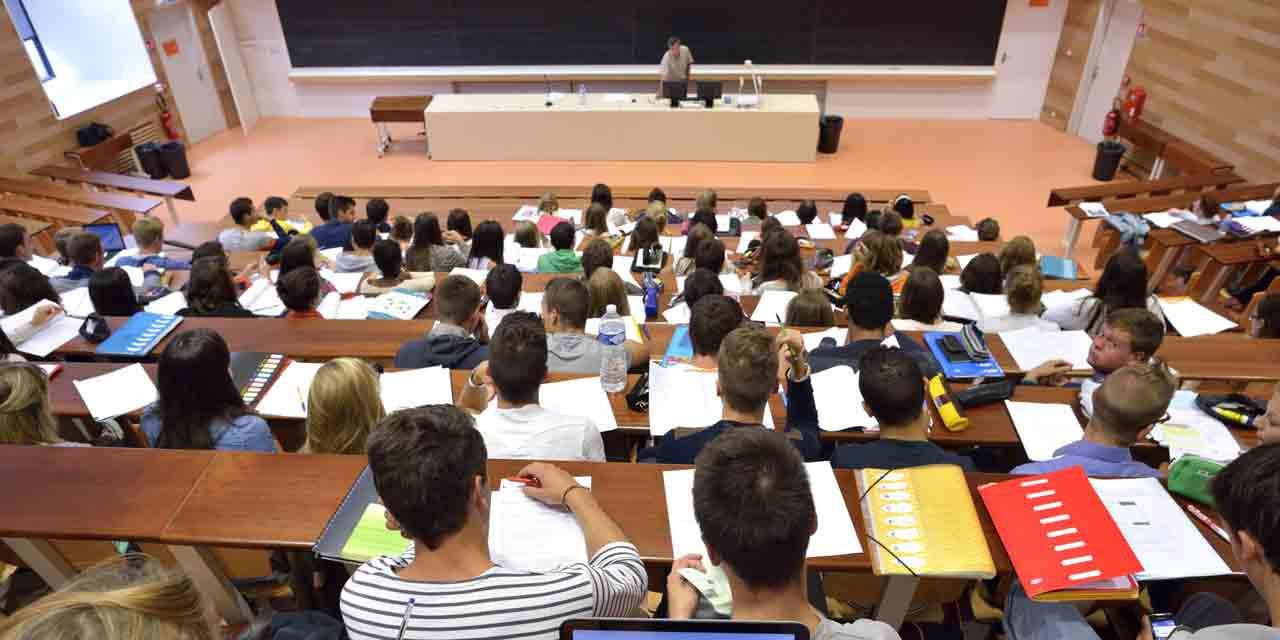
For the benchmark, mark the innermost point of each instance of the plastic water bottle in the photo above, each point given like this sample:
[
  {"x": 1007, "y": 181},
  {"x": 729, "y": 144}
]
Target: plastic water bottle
[
  {"x": 613, "y": 366},
  {"x": 650, "y": 295},
  {"x": 582, "y": 93}
]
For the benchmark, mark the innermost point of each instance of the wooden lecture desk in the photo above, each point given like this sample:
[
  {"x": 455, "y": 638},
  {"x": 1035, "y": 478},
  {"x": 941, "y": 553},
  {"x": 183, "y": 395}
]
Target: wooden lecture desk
[
  {"x": 638, "y": 127},
  {"x": 166, "y": 189}
]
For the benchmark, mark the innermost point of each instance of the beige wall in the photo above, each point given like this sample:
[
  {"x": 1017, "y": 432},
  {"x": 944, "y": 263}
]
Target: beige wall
[{"x": 30, "y": 135}]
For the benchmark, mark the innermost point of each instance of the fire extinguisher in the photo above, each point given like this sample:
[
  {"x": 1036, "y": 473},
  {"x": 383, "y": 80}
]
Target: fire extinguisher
[
  {"x": 1133, "y": 103},
  {"x": 166, "y": 121},
  {"x": 1112, "y": 124}
]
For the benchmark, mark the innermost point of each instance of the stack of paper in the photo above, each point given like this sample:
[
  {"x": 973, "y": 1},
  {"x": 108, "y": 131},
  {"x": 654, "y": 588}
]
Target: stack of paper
[
  {"x": 962, "y": 233},
  {"x": 415, "y": 388},
  {"x": 1032, "y": 347},
  {"x": 335, "y": 307},
  {"x": 262, "y": 299},
  {"x": 580, "y": 397},
  {"x": 476, "y": 275},
  {"x": 1094, "y": 209},
  {"x": 839, "y": 400},
  {"x": 772, "y": 307},
  {"x": 788, "y": 218},
  {"x": 1194, "y": 432},
  {"x": 528, "y": 535},
  {"x": 117, "y": 393},
  {"x": 681, "y": 396},
  {"x": 55, "y": 333},
  {"x": 1162, "y": 537},
  {"x": 1259, "y": 224},
  {"x": 1191, "y": 318},
  {"x": 287, "y": 397},
  {"x": 1043, "y": 428},
  {"x": 835, "y": 535},
  {"x": 168, "y": 305},
  {"x": 820, "y": 231}
]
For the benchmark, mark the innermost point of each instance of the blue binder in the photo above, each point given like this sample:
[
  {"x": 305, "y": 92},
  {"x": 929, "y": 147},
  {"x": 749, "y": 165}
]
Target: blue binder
[
  {"x": 139, "y": 335},
  {"x": 960, "y": 370},
  {"x": 1058, "y": 268}
]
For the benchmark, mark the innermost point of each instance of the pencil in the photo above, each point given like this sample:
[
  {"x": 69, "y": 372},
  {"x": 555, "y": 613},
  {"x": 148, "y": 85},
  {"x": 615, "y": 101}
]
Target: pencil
[{"x": 1208, "y": 522}]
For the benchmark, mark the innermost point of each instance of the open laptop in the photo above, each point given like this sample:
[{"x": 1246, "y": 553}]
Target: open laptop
[
  {"x": 109, "y": 234},
  {"x": 655, "y": 629},
  {"x": 1198, "y": 232}
]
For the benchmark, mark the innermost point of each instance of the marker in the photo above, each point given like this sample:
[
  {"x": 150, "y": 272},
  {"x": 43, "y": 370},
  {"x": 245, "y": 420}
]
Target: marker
[
  {"x": 404, "y": 621},
  {"x": 1208, "y": 522}
]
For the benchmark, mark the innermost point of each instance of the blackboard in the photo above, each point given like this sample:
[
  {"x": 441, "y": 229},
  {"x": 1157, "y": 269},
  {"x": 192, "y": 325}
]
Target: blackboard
[{"x": 375, "y": 33}]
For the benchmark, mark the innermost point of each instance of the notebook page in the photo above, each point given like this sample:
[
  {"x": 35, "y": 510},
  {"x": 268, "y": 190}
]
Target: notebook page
[
  {"x": 1031, "y": 347},
  {"x": 415, "y": 388},
  {"x": 1043, "y": 428},
  {"x": 530, "y": 535},
  {"x": 1163, "y": 537},
  {"x": 117, "y": 393}
]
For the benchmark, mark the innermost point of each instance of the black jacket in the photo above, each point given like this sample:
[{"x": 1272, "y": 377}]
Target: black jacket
[{"x": 451, "y": 352}]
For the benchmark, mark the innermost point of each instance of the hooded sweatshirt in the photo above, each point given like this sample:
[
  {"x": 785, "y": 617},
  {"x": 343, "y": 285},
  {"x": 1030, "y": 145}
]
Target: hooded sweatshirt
[
  {"x": 573, "y": 353},
  {"x": 445, "y": 345},
  {"x": 352, "y": 263}
]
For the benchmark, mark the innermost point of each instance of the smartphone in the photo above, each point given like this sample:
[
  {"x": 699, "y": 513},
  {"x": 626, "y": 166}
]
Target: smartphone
[{"x": 1162, "y": 625}]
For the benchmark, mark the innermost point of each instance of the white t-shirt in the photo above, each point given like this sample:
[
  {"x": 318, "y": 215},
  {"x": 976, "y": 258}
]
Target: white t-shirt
[
  {"x": 857, "y": 630},
  {"x": 533, "y": 432},
  {"x": 1015, "y": 321}
]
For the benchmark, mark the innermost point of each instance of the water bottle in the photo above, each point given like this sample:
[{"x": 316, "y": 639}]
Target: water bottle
[
  {"x": 582, "y": 93},
  {"x": 613, "y": 366},
  {"x": 650, "y": 295}
]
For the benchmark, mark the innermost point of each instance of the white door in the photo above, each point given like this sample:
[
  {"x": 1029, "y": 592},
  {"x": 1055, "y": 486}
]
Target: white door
[
  {"x": 173, "y": 29},
  {"x": 1028, "y": 42},
  {"x": 224, "y": 33},
  {"x": 1117, "y": 29}
]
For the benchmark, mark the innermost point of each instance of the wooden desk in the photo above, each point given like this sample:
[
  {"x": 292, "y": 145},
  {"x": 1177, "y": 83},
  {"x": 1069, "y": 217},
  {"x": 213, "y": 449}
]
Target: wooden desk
[
  {"x": 1229, "y": 357},
  {"x": 1191, "y": 183},
  {"x": 1189, "y": 158},
  {"x": 57, "y": 213},
  {"x": 162, "y": 188},
  {"x": 101, "y": 156},
  {"x": 1225, "y": 260},
  {"x": 1148, "y": 137},
  {"x": 620, "y": 192},
  {"x": 1164, "y": 248},
  {"x": 125, "y": 206},
  {"x": 386, "y": 109}
]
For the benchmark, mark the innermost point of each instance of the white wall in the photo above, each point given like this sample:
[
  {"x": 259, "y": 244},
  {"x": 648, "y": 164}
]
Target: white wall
[{"x": 263, "y": 45}]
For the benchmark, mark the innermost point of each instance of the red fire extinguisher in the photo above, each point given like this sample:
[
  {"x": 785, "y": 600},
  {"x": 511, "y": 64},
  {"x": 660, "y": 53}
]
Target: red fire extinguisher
[
  {"x": 1112, "y": 124},
  {"x": 166, "y": 121},
  {"x": 1133, "y": 103}
]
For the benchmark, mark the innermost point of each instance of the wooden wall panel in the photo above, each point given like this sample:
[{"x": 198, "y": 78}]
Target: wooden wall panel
[
  {"x": 32, "y": 136},
  {"x": 1068, "y": 64},
  {"x": 1212, "y": 74}
]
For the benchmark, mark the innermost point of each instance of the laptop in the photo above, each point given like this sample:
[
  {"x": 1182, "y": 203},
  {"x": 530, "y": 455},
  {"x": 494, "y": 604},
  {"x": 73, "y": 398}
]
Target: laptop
[
  {"x": 656, "y": 629},
  {"x": 1198, "y": 232},
  {"x": 109, "y": 234}
]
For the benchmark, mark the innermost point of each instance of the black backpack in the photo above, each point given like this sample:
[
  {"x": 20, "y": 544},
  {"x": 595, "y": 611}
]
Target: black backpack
[{"x": 93, "y": 133}]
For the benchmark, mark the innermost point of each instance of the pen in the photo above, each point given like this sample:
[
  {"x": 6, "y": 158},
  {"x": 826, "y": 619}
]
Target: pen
[
  {"x": 530, "y": 482},
  {"x": 301, "y": 401},
  {"x": 404, "y": 622},
  {"x": 1208, "y": 522}
]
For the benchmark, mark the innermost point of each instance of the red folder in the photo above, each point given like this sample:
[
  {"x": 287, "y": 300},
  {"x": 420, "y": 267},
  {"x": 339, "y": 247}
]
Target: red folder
[
  {"x": 548, "y": 222},
  {"x": 1058, "y": 533}
]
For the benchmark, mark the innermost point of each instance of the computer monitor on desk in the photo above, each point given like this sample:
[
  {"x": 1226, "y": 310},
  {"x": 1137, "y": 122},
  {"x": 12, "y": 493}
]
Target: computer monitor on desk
[
  {"x": 708, "y": 92},
  {"x": 675, "y": 92}
]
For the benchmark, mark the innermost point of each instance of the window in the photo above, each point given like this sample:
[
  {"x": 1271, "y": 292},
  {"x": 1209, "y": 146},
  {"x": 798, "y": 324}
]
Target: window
[{"x": 30, "y": 40}]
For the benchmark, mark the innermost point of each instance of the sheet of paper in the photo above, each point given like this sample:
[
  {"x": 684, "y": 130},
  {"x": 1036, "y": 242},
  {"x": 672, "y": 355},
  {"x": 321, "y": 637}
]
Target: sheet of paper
[
  {"x": 731, "y": 283},
  {"x": 136, "y": 276},
  {"x": 1162, "y": 220},
  {"x": 1257, "y": 207},
  {"x": 1058, "y": 299},
  {"x": 528, "y": 535},
  {"x": 678, "y": 314},
  {"x": 958, "y": 304},
  {"x": 950, "y": 281},
  {"x": 77, "y": 302},
  {"x": 839, "y": 400},
  {"x": 673, "y": 245},
  {"x": 287, "y": 397},
  {"x": 1093, "y": 209},
  {"x": 745, "y": 239},
  {"x": 580, "y": 397},
  {"x": 962, "y": 233},
  {"x": 835, "y": 536},
  {"x": 525, "y": 212},
  {"x": 415, "y": 388},
  {"x": 616, "y": 97},
  {"x": 723, "y": 224},
  {"x": 43, "y": 265},
  {"x": 622, "y": 267},
  {"x": 680, "y": 283},
  {"x": 636, "y": 303},
  {"x": 1259, "y": 224},
  {"x": 1160, "y": 533},
  {"x": 476, "y": 275},
  {"x": 836, "y": 218},
  {"x": 820, "y": 231},
  {"x": 333, "y": 253},
  {"x": 1190, "y": 430},
  {"x": 855, "y": 230},
  {"x": 117, "y": 393},
  {"x": 343, "y": 282},
  {"x": 772, "y": 308},
  {"x": 168, "y": 305},
  {"x": 681, "y": 396},
  {"x": 991, "y": 306},
  {"x": 526, "y": 258},
  {"x": 1043, "y": 428},
  {"x": 1031, "y": 347},
  {"x": 1192, "y": 319},
  {"x": 964, "y": 260},
  {"x": 841, "y": 265},
  {"x": 572, "y": 215},
  {"x": 814, "y": 340},
  {"x": 56, "y": 332},
  {"x": 530, "y": 301},
  {"x": 335, "y": 307},
  {"x": 788, "y": 218},
  {"x": 633, "y": 329},
  {"x": 262, "y": 299}
]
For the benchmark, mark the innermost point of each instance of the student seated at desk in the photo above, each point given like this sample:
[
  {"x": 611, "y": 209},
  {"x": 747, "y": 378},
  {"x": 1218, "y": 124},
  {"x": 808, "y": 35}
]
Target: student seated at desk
[
  {"x": 360, "y": 258},
  {"x": 502, "y": 287},
  {"x": 869, "y": 305},
  {"x": 781, "y": 268},
  {"x": 646, "y": 234},
  {"x": 22, "y": 285},
  {"x": 277, "y": 218},
  {"x": 458, "y": 230},
  {"x": 855, "y": 208},
  {"x": 988, "y": 230},
  {"x": 599, "y": 253},
  {"x": 1123, "y": 284},
  {"x": 504, "y": 393},
  {"x": 893, "y": 392},
  {"x": 527, "y": 235},
  {"x": 1023, "y": 287},
  {"x": 211, "y": 291},
  {"x": 487, "y": 246},
  {"x": 752, "y": 501},
  {"x": 25, "y": 418},
  {"x": 1018, "y": 252},
  {"x": 605, "y": 288},
  {"x": 876, "y": 253},
  {"x": 457, "y": 339},
  {"x": 402, "y": 232},
  {"x": 562, "y": 259},
  {"x": 748, "y": 369},
  {"x": 428, "y": 465},
  {"x": 302, "y": 252},
  {"x": 1129, "y": 336},
  {"x": 712, "y": 255},
  {"x": 112, "y": 293},
  {"x": 807, "y": 212},
  {"x": 343, "y": 407},
  {"x": 241, "y": 237},
  {"x": 1265, "y": 321},
  {"x": 13, "y": 242},
  {"x": 934, "y": 252},
  {"x": 810, "y": 308},
  {"x": 920, "y": 306},
  {"x": 376, "y": 212},
  {"x": 701, "y": 282},
  {"x": 699, "y": 234},
  {"x": 711, "y": 320},
  {"x": 148, "y": 234},
  {"x": 336, "y": 230},
  {"x": 595, "y": 222},
  {"x": 892, "y": 225},
  {"x": 199, "y": 406},
  {"x": 569, "y": 349},
  {"x": 85, "y": 252},
  {"x": 300, "y": 292},
  {"x": 982, "y": 275},
  {"x": 390, "y": 262},
  {"x": 429, "y": 251}
]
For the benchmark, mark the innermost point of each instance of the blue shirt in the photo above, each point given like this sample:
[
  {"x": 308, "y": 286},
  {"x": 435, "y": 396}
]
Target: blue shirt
[
  {"x": 243, "y": 433},
  {"x": 332, "y": 234},
  {"x": 160, "y": 262},
  {"x": 1095, "y": 459}
]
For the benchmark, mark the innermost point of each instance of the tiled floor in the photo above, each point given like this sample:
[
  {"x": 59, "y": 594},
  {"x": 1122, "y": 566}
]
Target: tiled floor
[{"x": 979, "y": 168}]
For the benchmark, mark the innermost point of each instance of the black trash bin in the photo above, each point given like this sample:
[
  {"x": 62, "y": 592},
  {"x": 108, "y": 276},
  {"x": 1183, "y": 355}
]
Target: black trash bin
[
  {"x": 149, "y": 158},
  {"x": 829, "y": 133},
  {"x": 174, "y": 157},
  {"x": 1108, "y": 160}
]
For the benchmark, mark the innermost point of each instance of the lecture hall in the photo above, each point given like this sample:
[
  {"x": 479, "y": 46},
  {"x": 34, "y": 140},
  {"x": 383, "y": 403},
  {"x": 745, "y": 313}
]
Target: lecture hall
[{"x": 656, "y": 320}]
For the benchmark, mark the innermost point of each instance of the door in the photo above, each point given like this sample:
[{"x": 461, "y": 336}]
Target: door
[
  {"x": 1118, "y": 27},
  {"x": 1028, "y": 42},
  {"x": 224, "y": 33},
  {"x": 173, "y": 29}
]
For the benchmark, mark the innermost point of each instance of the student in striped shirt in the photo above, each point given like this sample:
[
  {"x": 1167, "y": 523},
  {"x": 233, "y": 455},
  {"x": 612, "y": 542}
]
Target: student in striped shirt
[{"x": 428, "y": 465}]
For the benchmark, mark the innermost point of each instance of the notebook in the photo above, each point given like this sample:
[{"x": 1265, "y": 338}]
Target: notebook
[
  {"x": 357, "y": 531},
  {"x": 1043, "y": 428},
  {"x": 925, "y": 521},
  {"x": 1060, "y": 537},
  {"x": 168, "y": 305},
  {"x": 286, "y": 397},
  {"x": 412, "y": 388},
  {"x": 262, "y": 299},
  {"x": 55, "y": 333},
  {"x": 398, "y": 305},
  {"x": 139, "y": 335},
  {"x": 335, "y": 307}
]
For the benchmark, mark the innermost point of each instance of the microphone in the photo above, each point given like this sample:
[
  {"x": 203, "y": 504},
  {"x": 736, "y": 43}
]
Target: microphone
[{"x": 546, "y": 79}]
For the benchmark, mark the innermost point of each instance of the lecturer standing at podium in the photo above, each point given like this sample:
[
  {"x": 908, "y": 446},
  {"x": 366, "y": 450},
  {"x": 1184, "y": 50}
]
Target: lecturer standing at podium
[{"x": 676, "y": 65}]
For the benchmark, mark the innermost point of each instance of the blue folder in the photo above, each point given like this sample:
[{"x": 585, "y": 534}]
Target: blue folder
[
  {"x": 1058, "y": 268},
  {"x": 960, "y": 370},
  {"x": 139, "y": 335}
]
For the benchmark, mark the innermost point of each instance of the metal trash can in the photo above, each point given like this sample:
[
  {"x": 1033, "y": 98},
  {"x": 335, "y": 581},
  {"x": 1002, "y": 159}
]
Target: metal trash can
[
  {"x": 1107, "y": 161},
  {"x": 173, "y": 155},
  {"x": 829, "y": 133},
  {"x": 149, "y": 158}
]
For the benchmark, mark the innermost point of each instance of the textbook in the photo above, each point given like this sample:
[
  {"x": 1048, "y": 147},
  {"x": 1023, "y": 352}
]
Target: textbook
[
  {"x": 139, "y": 335},
  {"x": 922, "y": 521},
  {"x": 1058, "y": 268},
  {"x": 1063, "y": 542}
]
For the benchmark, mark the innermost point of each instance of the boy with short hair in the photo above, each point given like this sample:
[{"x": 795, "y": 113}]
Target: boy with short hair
[
  {"x": 1129, "y": 336},
  {"x": 241, "y": 237},
  {"x": 869, "y": 305},
  {"x": 429, "y": 467},
  {"x": 299, "y": 291},
  {"x": 599, "y": 253},
  {"x": 376, "y": 212},
  {"x": 360, "y": 258},
  {"x": 84, "y": 250},
  {"x": 502, "y": 286},
  {"x": 504, "y": 393},
  {"x": 13, "y": 241},
  {"x": 569, "y": 348},
  {"x": 459, "y": 336},
  {"x": 711, "y": 319},
  {"x": 336, "y": 230},
  {"x": 988, "y": 230},
  {"x": 563, "y": 259},
  {"x": 148, "y": 234}
]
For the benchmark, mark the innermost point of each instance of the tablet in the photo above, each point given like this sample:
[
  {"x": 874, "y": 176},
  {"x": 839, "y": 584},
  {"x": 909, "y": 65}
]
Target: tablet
[{"x": 655, "y": 629}]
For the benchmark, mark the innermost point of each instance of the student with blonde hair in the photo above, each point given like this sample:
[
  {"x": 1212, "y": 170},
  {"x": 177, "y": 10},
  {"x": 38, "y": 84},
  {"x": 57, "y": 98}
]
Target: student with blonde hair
[
  {"x": 811, "y": 308},
  {"x": 25, "y": 418},
  {"x": 343, "y": 406},
  {"x": 1022, "y": 288},
  {"x": 132, "y": 596},
  {"x": 605, "y": 288},
  {"x": 548, "y": 204},
  {"x": 527, "y": 235}
]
